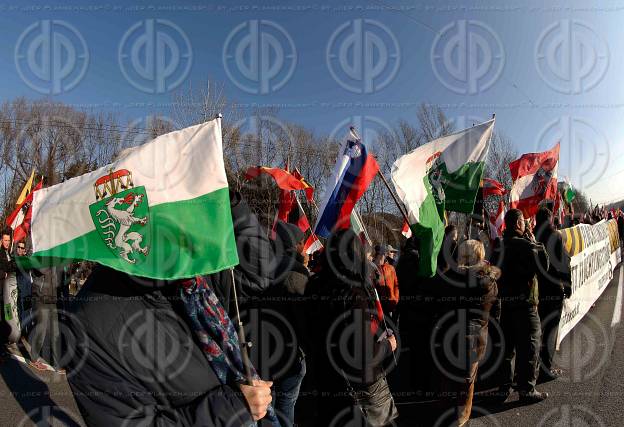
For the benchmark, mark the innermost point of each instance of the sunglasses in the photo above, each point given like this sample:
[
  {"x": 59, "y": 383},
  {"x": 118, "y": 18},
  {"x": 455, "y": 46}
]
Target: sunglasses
[{"x": 21, "y": 247}]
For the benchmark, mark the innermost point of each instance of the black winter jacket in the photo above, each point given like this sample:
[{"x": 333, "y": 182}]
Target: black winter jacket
[
  {"x": 137, "y": 363},
  {"x": 520, "y": 261},
  {"x": 7, "y": 262},
  {"x": 554, "y": 280}
]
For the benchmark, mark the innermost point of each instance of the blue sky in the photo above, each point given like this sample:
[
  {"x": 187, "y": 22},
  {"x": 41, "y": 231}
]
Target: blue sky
[{"x": 550, "y": 71}]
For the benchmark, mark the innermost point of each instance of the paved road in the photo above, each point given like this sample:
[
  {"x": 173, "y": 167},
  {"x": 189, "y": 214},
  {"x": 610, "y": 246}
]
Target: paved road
[
  {"x": 591, "y": 393},
  {"x": 29, "y": 398}
]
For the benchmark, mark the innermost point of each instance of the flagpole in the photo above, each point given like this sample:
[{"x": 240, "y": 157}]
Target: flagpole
[
  {"x": 394, "y": 197},
  {"x": 241, "y": 335}
]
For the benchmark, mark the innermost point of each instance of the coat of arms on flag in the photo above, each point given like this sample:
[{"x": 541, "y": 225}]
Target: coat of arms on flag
[{"x": 120, "y": 215}]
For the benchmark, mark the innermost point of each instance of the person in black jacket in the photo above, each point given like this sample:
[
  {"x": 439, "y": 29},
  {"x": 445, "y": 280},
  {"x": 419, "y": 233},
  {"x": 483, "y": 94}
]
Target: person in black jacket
[
  {"x": 466, "y": 300},
  {"x": 554, "y": 286},
  {"x": 7, "y": 279},
  {"x": 520, "y": 260},
  {"x": 344, "y": 312},
  {"x": 136, "y": 362},
  {"x": 287, "y": 356}
]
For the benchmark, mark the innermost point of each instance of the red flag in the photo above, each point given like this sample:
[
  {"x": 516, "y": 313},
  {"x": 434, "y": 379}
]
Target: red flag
[
  {"x": 284, "y": 179},
  {"x": 309, "y": 191},
  {"x": 492, "y": 187},
  {"x": 534, "y": 178}
]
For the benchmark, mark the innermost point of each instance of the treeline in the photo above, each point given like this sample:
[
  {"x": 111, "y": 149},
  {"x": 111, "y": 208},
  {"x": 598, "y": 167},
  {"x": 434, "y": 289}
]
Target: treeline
[{"x": 61, "y": 142}]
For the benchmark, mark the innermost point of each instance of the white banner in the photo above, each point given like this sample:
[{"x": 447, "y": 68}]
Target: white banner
[{"x": 595, "y": 252}]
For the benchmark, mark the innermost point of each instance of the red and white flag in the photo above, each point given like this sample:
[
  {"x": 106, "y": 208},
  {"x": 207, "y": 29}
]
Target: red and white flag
[
  {"x": 534, "y": 178},
  {"x": 491, "y": 187},
  {"x": 497, "y": 222},
  {"x": 406, "y": 231},
  {"x": 312, "y": 244},
  {"x": 20, "y": 218}
]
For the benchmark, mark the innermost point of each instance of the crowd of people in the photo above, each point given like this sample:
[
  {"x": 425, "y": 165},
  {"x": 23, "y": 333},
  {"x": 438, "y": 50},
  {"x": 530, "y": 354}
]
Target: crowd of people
[{"x": 322, "y": 333}]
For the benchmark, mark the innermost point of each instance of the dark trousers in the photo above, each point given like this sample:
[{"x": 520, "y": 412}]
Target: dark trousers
[
  {"x": 286, "y": 392},
  {"x": 522, "y": 333},
  {"x": 46, "y": 319},
  {"x": 549, "y": 313}
]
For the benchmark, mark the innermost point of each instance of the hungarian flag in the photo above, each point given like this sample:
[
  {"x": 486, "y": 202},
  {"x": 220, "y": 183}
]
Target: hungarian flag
[
  {"x": 534, "y": 178},
  {"x": 444, "y": 173},
  {"x": 21, "y": 217},
  {"x": 162, "y": 210},
  {"x": 284, "y": 179},
  {"x": 355, "y": 169}
]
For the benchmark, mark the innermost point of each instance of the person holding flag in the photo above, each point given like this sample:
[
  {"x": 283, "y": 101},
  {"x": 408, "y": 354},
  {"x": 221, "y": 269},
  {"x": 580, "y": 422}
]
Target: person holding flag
[{"x": 159, "y": 242}]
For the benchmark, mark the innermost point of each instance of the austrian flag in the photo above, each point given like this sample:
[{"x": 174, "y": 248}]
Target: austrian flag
[{"x": 534, "y": 178}]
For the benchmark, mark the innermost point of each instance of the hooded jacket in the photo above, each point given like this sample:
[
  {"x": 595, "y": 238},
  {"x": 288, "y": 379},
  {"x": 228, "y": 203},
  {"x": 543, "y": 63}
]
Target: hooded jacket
[{"x": 136, "y": 362}]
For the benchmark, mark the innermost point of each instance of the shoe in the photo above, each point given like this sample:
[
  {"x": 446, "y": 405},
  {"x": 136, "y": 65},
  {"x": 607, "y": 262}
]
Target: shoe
[
  {"x": 550, "y": 375},
  {"x": 501, "y": 395},
  {"x": 533, "y": 396}
]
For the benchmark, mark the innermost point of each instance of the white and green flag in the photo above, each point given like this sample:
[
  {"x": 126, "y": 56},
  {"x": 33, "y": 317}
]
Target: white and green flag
[
  {"x": 161, "y": 210},
  {"x": 442, "y": 174}
]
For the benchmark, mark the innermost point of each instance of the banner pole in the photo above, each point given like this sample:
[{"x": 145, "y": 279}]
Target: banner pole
[
  {"x": 394, "y": 197},
  {"x": 241, "y": 336}
]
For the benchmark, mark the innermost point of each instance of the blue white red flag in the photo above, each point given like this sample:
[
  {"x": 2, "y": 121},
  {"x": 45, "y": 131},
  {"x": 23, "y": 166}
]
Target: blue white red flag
[{"x": 355, "y": 169}]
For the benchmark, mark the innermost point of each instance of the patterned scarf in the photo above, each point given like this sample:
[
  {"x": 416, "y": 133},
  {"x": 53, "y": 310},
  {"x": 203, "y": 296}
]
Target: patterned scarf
[{"x": 217, "y": 335}]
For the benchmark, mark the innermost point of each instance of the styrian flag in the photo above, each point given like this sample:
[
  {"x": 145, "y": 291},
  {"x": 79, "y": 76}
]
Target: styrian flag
[
  {"x": 161, "y": 210},
  {"x": 444, "y": 173}
]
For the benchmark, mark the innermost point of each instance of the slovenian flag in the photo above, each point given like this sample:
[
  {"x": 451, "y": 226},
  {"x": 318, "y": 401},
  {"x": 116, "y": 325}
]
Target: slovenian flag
[{"x": 354, "y": 171}]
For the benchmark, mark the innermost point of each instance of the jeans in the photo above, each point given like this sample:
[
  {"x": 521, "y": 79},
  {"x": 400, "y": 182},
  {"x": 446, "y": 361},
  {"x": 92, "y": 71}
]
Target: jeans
[
  {"x": 523, "y": 337},
  {"x": 46, "y": 325},
  {"x": 287, "y": 390}
]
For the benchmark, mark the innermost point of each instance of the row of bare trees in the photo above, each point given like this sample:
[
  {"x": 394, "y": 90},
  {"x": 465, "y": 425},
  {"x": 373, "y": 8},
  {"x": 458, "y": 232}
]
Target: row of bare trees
[{"x": 60, "y": 142}]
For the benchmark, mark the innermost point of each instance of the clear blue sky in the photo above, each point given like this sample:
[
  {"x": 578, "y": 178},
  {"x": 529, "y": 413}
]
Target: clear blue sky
[{"x": 549, "y": 72}]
